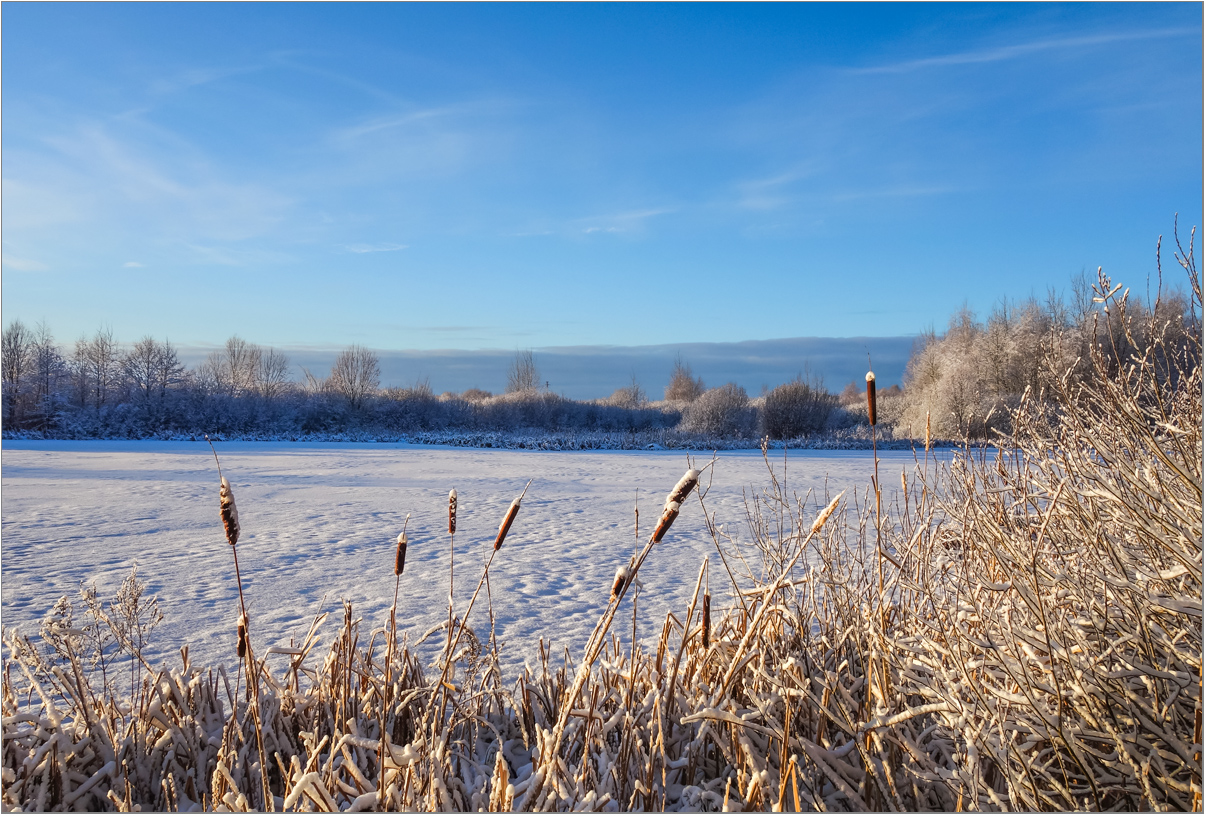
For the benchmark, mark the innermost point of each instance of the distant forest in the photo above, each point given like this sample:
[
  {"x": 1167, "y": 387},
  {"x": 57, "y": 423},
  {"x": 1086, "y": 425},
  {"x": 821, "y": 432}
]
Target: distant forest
[{"x": 960, "y": 384}]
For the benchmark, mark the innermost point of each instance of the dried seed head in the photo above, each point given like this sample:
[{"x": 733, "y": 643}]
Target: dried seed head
[
  {"x": 505, "y": 527},
  {"x": 669, "y": 514},
  {"x": 871, "y": 396},
  {"x": 400, "y": 557},
  {"x": 707, "y": 620},
  {"x": 927, "y": 431},
  {"x": 824, "y": 515},
  {"x": 452, "y": 511},
  {"x": 684, "y": 487},
  {"x": 230, "y": 513},
  {"x": 617, "y": 584},
  {"x": 241, "y": 646}
]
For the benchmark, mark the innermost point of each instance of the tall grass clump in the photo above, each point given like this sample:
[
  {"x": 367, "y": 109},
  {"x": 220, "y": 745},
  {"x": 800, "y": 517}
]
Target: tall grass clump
[{"x": 1020, "y": 629}]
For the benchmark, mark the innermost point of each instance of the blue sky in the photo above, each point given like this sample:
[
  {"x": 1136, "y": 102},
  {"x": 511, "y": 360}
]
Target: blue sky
[{"x": 510, "y": 176}]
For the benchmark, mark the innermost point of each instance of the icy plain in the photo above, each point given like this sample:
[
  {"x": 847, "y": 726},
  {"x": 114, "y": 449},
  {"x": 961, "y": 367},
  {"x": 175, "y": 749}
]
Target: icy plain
[{"x": 319, "y": 524}]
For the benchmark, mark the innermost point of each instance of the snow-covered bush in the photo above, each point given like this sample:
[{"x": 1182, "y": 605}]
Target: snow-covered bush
[
  {"x": 723, "y": 411},
  {"x": 796, "y": 409}
]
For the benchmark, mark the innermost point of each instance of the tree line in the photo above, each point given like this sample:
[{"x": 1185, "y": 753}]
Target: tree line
[{"x": 962, "y": 383}]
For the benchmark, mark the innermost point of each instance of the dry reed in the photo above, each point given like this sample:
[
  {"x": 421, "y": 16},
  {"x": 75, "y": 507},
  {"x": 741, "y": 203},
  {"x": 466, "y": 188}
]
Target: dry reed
[{"x": 1027, "y": 636}]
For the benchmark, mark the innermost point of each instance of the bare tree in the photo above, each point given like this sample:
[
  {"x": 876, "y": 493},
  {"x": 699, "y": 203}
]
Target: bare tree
[
  {"x": 356, "y": 374},
  {"x": 630, "y": 396},
  {"x": 682, "y": 386},
  {"x": 96, "y": 366},
  {"x": 15, "y": 353},
  {"x": 236, "y": 367},
  {"x": 273, "y": 374},
  {"x": 48, "y": 366},
  {"x": 151, "y": 368},
  {"x": 522, "y": 374}
]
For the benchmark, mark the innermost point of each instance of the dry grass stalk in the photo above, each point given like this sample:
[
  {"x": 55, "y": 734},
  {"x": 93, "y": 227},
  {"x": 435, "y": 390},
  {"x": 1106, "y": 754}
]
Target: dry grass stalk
[{"x": 1040, "y": 649}]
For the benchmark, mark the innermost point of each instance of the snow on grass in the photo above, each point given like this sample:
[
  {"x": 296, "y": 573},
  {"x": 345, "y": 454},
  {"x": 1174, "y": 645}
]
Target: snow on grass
[{"x": 320, "y": 524}]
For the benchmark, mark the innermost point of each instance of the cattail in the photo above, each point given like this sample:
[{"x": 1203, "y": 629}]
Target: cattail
[
  {"x": 871, "y": 396},
  {"x": 927, "y": 431},
  {"x": 241, "y": 647},
  {"x": 400, "y": 557},
  {"x": 826, "y": 513},
  {"x": 505, "y": 527},
  {"x": 707, "y": 620},
  {"x": 669, "y": 514},
  {"x": 452, "y": 511},
  {"x": 617, "y": 585},
  {"x": 230, "y": 513},
  {"x": 684, "y": 487},
  {"x": 674, "y": 502}
]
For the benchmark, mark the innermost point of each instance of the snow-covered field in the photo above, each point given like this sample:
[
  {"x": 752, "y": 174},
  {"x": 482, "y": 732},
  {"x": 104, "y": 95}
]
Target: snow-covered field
[{"x": 320, "y": 520}]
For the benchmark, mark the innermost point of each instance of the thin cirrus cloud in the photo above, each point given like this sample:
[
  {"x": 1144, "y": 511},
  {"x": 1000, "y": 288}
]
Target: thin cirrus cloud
[
  {"x": 362, "y": 249},
  {"x": 13, "y": 263},
  {"x": 630, "y": 221},
  {"x": 1019, "y": 50}
]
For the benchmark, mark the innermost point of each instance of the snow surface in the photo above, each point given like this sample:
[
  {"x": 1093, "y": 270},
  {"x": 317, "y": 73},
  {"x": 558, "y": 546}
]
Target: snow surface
[{"x": 320, "y": 521}]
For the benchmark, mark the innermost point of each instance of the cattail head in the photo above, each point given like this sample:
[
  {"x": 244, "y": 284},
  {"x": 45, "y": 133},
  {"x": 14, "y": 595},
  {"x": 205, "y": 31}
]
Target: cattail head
[
  {"x": 684, "y": 487},
  {"x": 230, "y": 513},
  {"x": 824, "y": 515},
  {"x": 707, "y": 620},
  {"x": 452, "y": 511},
  {"x": 674, "y": 502},
  {"x": 241, "y": 645},
  {"x": 927, "y": 431},
  {"x": 400, "y": 556},
  {"x": 669, "y": 514},
  {"x": 617, "y": 584},
  {"x": 871, "y": 396},
  {"x": 505, "y": 527}
]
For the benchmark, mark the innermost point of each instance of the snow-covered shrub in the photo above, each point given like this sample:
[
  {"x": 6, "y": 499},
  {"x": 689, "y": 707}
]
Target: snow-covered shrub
[
  {"x": 796, "y": 409},
  {"x": 723, "y": 411}
]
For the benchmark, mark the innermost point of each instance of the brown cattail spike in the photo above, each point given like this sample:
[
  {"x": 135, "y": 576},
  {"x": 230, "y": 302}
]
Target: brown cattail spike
[
  {"x": 400, "y": 557},
  {"x": 927, "y": 430},
  {"x": 674, "y": 502},
  {"x": 512, "y": 512},
  {"x": 871, "y": 396},
  {"x": 230, "y": 513},
  {"x": 617, "y": 584},
  {"x": 707, "y": 620},
  {"x": 452, "y": 511},
  {"x": 241, "y": 647},
  {"x": 684, "y": 487},
  {"x": 669, "y": 514}
]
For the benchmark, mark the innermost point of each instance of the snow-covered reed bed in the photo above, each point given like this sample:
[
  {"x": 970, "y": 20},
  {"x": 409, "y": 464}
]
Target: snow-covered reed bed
[{"x": 1036, "y": 645}]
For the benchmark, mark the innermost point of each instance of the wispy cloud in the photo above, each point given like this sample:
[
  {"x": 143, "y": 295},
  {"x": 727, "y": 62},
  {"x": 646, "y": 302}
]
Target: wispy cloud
[
  {"x": 133, "y": 265},
  {"x": 630, "y": 221},
  {"x": 11, "y": 263},
  {"x": 1009, "y": 52},
  {"x": 194, "y": 77},
  {"x": 770, "y": 193},
  {"x": 361, "y": 249},
  {"x": 152, "y": 176},
  {"x": 381, "y": 123},
  {"x": 902, "y": 191}
]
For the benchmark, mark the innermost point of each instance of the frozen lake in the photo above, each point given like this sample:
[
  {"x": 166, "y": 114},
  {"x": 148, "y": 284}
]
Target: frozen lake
[{"x": 319, "y": 524}]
